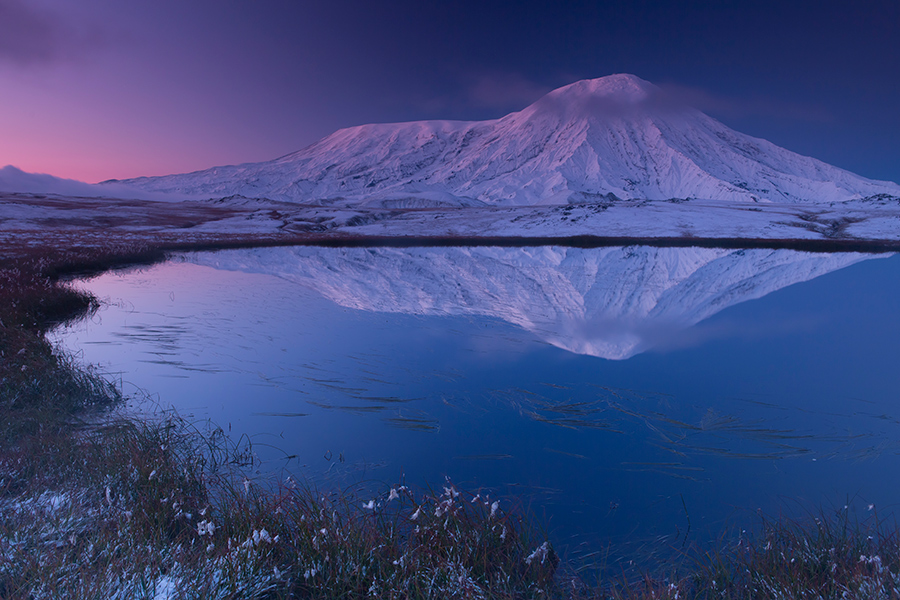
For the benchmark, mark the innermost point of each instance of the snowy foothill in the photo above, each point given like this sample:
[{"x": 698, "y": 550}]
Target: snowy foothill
[{"x": 15, "y": 180}]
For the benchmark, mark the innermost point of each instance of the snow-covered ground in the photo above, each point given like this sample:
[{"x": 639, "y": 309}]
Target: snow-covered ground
[
  {"x": 624, "y": 219},
  {"x": 874, "y": 224}
]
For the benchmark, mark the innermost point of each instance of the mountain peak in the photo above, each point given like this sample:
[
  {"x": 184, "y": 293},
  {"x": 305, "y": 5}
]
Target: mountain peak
[
  {"x": 620, "y": 88},
  {"x": 613, "y": 95}
]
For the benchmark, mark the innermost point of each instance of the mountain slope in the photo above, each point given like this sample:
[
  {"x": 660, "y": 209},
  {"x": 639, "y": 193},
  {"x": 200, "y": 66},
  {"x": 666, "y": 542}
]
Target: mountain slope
[{"x": 594, "y": 140}]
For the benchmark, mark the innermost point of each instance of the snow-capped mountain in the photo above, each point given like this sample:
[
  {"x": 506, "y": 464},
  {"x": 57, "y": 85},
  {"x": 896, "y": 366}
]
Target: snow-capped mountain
[
  {"x": 606, "y": 302},
  {"x": 617, "y": 137}
]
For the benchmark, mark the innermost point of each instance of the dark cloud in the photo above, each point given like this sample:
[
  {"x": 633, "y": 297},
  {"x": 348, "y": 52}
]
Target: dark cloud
[{"x": 30, "y": 35}]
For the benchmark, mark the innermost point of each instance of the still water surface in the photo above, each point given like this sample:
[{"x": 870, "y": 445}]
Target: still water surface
[{"x": 632, "y": 396}]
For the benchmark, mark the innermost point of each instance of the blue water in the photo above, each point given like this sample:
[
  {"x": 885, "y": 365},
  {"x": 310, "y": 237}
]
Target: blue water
[{"x": 781, "y": 404}]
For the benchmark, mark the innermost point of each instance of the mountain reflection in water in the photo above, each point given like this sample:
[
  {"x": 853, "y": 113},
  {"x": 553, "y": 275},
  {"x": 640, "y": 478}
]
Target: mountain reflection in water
[
  {"x": 791, "y": 398},
  {"x": 606, "y": 302}
]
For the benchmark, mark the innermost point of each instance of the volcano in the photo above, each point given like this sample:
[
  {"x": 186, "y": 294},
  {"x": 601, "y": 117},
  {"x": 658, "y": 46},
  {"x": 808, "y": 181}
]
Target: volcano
[{"x": 613, "y": 138}]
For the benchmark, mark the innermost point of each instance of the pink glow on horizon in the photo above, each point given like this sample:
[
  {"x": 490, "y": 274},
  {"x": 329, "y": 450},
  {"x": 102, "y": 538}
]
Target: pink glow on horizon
[{"x": 74, "y": 132}]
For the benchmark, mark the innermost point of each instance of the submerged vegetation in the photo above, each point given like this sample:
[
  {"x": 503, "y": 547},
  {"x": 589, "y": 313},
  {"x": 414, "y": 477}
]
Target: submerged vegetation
[{"x": 97, "y": 504}]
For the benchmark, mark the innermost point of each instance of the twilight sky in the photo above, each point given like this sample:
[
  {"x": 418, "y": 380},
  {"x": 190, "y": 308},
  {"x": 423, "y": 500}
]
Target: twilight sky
[{"x": 101, "y": 89}]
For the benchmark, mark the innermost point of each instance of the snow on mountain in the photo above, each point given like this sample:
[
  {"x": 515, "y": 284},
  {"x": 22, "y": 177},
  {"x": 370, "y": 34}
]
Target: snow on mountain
[
  {"x": 607, "y": 302},
  {"x": 17, "y": 181},
  {"x": 617, "y": 137}
]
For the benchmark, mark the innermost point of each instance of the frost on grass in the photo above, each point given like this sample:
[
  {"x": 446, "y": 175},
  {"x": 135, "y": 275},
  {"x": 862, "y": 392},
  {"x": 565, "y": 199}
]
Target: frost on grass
[{"x": 145, "y": 512}]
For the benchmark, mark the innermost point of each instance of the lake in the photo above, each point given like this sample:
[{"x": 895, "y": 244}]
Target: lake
[{"x": 637, "y": 397}]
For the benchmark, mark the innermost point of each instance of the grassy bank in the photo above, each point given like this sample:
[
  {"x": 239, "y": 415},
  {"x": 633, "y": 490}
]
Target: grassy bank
[{"x": 94, "y": 504}]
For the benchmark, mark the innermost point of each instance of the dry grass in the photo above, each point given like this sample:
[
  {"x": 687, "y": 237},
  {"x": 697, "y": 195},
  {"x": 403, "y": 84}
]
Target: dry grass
[
  {"x": 94, "y": 504},
  {"x": 124, "y": 509}
]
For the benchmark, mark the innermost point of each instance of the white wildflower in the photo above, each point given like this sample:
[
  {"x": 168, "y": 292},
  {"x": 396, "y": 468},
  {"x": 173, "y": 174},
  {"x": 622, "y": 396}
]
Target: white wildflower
[
  {"x": 152, "y": 475},
  {"x": 494, "y": 507},
  {"x": 246, "y": 486},
  {"x": 540, "y": 553},
  {"x": 261, "y": 536},
  {"x": 309, "y": 573},
  {"x": 393, "y": 495},
  {"x": 206, "y": 528},
  {"x": 369, "y": 505},
  {"x": 416, "y": 514}
]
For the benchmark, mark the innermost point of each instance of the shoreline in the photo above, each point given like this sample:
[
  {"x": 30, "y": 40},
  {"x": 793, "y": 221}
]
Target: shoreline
[{"x": 34, "y": 224}]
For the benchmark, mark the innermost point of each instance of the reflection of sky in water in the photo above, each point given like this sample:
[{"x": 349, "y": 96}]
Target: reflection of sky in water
[{"x": 790, "y": 397}]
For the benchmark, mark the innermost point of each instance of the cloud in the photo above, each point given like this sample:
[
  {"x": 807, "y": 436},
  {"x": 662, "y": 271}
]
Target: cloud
[
  {"x": 504, "y": 92},
  {"x": 30, "y": 35},
  {"x": 754, "y": 106}
]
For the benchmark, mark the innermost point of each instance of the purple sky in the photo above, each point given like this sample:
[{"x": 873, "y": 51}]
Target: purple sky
[{"x": 104, "y": 89}]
